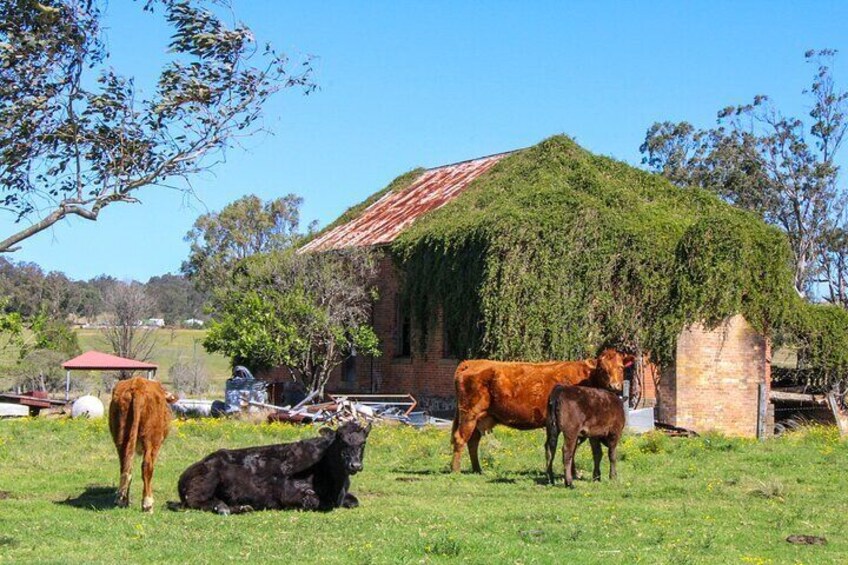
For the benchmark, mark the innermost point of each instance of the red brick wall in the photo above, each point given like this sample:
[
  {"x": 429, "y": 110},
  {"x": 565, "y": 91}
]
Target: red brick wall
[
  {"x": 426, "y": 375},
  {"x": 713, "y": 384}
]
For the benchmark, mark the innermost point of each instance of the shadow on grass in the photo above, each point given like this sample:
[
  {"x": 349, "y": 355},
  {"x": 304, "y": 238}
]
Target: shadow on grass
[
  {"x": 503, "y": 481},
  {"x": 94, "y": 497},
  {"x": 421, "y": 471}
]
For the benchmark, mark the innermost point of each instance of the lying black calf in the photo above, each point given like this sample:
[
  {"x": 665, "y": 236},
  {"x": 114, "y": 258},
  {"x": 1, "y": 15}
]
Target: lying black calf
[{"x": 312, "y": 474}]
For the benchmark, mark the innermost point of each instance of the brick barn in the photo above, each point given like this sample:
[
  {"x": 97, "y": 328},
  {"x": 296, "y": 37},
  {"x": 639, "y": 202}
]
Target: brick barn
[{"x": 714, "y": 383}]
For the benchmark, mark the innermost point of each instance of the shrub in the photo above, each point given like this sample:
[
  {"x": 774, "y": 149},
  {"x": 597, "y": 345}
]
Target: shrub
[{"x": 189, "y": 377}]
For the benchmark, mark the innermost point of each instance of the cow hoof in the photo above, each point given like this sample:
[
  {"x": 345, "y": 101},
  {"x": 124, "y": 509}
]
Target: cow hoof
[
  {"x": 222, "y": 510},
  {"x": 122, "y": 501},
  {"x": 245, "y": 508},
  {"x": 147, "y": 504}
]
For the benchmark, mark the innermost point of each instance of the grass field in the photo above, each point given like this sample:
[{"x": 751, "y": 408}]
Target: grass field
[
  {"x": 171, "y": 347},
  {"x": 703, "y": 500}
]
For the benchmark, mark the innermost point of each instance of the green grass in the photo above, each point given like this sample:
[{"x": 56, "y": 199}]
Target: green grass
[
  {"x": 171, "y": 347},
  {"x": 704, "y": 500}
]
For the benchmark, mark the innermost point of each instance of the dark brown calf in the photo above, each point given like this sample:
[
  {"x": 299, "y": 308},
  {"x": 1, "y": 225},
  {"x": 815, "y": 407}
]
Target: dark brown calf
[
  {"x": 139, "y": 418},
  {"x": 580, "y": 413}
]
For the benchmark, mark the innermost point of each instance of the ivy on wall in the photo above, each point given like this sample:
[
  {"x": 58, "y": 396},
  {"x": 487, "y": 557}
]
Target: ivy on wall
[{"x": 555, "y": 251}]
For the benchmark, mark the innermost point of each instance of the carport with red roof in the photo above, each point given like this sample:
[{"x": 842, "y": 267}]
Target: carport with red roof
[{"x": 97, "y": 361}]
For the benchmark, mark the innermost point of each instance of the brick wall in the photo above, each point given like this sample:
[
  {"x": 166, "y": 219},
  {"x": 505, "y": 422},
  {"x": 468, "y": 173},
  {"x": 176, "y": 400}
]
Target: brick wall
[
  {"x": 426, "y": 375},
  {"x": 713, "y": 383}
]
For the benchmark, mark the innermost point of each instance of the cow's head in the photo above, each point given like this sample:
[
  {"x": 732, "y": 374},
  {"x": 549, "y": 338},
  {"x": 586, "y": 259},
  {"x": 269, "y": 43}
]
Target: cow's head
[
  {"x": 351, "y": 438},
  {"x": 609, "y": 373}
]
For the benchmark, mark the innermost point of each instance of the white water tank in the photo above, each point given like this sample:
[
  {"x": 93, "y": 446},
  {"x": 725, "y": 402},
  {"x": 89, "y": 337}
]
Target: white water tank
[{"x": 87, "y": 406}]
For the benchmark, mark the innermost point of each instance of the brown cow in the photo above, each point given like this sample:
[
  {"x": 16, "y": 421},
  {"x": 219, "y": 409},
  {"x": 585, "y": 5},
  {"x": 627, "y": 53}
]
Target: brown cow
[
  {"x": 516, "y": 394},
  {"x": 580, "y": 413},
  {"x": 139, "y": 418}
]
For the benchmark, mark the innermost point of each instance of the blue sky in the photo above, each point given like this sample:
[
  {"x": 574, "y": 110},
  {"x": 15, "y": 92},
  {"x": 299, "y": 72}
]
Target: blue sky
[{"x": 422, "y": 84}]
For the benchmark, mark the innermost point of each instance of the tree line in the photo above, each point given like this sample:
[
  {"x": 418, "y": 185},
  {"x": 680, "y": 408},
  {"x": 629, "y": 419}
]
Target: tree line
[{"x": 30, "y": 291}]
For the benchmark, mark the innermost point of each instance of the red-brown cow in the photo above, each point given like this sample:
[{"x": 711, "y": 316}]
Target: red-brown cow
[
  {"x": 516, "y": 394},
  {"x": 139, "y": 418}
]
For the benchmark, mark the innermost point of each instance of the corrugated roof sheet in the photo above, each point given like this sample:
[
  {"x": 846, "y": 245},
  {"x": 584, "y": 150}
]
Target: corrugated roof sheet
[{"x": 386, "y": 218}]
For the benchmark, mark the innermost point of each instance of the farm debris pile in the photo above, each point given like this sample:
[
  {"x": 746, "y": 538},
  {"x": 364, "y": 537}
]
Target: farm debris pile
[
  {"x": 244, "y": 393},
  {"x": 346, "y": 408}
]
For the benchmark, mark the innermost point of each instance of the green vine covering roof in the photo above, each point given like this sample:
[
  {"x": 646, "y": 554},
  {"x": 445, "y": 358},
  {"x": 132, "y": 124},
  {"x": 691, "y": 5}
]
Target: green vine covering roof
[{"x": 556, "y": 251}]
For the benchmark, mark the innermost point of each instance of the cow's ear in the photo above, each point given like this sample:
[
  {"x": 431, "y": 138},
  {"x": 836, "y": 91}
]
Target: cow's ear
[
  {"x": 593, "y": 363},
  {"x": 368, "y": 428},
  {"x": 327, "y": 432}
]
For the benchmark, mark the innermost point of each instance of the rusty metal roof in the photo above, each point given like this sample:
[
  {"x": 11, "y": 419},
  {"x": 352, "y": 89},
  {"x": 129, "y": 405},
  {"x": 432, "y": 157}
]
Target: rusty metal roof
[{"x": 386, "y": 218}]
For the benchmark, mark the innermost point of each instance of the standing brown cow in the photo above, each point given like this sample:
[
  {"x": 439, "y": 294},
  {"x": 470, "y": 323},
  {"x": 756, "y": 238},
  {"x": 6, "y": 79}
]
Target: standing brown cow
[
  {"x": 581, "y": 413},
  {"x": 516, "y": 394},
  {"x": 139, "y": 418}
]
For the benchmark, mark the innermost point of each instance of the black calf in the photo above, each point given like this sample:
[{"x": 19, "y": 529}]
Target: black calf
[{"x": 312, "y": 474}]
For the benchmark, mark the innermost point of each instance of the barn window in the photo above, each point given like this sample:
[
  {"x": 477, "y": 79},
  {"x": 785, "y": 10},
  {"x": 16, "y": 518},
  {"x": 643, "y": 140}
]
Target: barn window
[
  {"x": 449, "y": 347},
  {"x": 403, "y": 329},
  {"x": 349, "y": 369}
]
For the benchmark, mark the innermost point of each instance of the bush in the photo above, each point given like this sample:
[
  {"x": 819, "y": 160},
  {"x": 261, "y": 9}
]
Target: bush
[
  {"x": 42, "y": 370},
  {"x": 189, "y": 377}
]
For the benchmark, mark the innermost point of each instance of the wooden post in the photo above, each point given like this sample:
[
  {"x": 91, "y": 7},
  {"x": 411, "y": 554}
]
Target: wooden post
[
  {"x": 67, "y": 385},
  {"x": 762, "y": 411},
  {"x": 841, "y": 419}
]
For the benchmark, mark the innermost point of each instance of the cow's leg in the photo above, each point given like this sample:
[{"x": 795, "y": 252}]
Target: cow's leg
[
  {"x": 463, "y": 430},
  {"x": 597, "y": 454},
  {"x": 151, "y": 452},
  {"x": 612, "y": 446},
  {"x": 569, "y": 447},
  {"x": 350, "y": 501},
  {"x": 473, "y": 447},
  {"x": 550, "y": 452},
  {"x": 578, "y": 476},
  {"x": 126, "y": 458}
]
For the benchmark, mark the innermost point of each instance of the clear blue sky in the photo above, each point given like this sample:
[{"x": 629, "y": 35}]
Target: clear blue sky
[{"x": 422, "y": 84}]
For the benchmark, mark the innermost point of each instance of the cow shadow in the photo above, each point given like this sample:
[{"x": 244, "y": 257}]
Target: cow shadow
[
  {"x": 94, "y": 497},
  {"x": 422, "y": 472}
]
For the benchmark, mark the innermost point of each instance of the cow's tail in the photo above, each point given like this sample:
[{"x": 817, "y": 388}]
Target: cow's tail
[
  {"x": 130, "y": 435},
  {"x": 552, "y": 429},
  {"x": 552, "y": 421}
]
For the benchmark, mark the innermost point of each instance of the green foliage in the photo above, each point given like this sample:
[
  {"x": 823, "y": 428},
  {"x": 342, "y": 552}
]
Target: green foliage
[
  {"x": 55, "y": 335},
  {"x": 176, "y": 298},
  {"x": 255, "y": 329},
  {"x": 820, "y": 332},
  {"x": 219, "y": 240},
  {"x": 308, "y": 312},
  {"x": 41, "y": 369},
  {"x": 555, "y": 251},
  {"x": 11, "y": 328},
  {"x": 783, "y": 168},
  {"x": 78, "y": 136}
]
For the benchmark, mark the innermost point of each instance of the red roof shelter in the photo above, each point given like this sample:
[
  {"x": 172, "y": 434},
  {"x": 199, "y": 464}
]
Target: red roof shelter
[{"x": 97, "y": 361}]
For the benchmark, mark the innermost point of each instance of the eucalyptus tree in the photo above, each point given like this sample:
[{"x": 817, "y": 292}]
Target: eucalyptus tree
[
  {"x": 781, "y": 167},
  {"x": 77, "y": 135}
]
